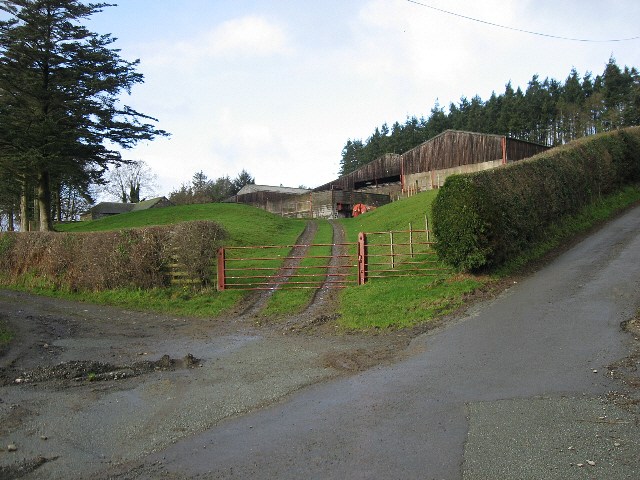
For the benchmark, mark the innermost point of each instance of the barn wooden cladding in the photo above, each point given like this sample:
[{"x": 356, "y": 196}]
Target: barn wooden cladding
[
  {"x": 392, "y": 176},
  {"x": 450, "y": 149}
]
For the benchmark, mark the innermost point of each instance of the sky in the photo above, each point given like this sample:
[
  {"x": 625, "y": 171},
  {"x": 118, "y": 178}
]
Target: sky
[{"x": 277, "y": 87}]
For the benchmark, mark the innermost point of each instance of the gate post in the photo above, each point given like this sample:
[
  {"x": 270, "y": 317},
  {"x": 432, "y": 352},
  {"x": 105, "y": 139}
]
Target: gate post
[
  {"x": 362, "y": 258},
  {"x": 221, "y": 265}
]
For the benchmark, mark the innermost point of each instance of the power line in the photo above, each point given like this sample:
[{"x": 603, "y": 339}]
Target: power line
[{"x": 559, "y": 37}]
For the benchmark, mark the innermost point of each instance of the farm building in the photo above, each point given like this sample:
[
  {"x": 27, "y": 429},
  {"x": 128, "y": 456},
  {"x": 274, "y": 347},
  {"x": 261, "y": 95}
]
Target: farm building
[
  {"x": 391, "y": 176},
  {"x": 340, "y": 203},
  {"x": 430, "y": 163},
  {"x": 303, "y": 203},
  {"x": 107, "y": 209},
  {"x": 285, "y": 201}
]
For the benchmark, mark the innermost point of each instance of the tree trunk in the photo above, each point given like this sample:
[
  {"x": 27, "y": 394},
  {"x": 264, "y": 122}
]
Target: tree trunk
[
  {"x": 58, "y": 198},
  {"x": 34, "y": 223},
  {"x": 24, "y": 209},
  {"x": 134, "y": 193},
  {"x": 44, "y": 201},
  {"x": 10, "y": 227}
]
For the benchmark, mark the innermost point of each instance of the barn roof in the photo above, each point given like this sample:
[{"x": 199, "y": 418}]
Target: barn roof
[
  {"x": 252, "y": 188},
  {"x": 447, "y": 149},
  {"x": 152, "y": 202},
  {"x": 111, "y": 208},
  {"x": 114, "y": 208}
]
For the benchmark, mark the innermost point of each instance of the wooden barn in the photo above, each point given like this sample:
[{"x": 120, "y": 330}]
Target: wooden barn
[
  {"x": 285, "y": 201},
  {"x": 430, "y": 163},
  {"x": 391, "y": 176}
]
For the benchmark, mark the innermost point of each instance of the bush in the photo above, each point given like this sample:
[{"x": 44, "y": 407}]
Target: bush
[
  {"x": 483, "y": 219},
  {"x": 135, "y": 258},
  {"x": 192, "y": 244}
]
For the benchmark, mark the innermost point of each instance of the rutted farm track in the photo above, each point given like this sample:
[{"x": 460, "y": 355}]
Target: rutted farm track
[{"x": 320, "y": 308}]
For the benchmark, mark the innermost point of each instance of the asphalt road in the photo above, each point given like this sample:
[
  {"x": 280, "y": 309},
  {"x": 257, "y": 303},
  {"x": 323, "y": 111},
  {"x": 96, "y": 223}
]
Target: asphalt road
[{"x": 513, "y": 390}]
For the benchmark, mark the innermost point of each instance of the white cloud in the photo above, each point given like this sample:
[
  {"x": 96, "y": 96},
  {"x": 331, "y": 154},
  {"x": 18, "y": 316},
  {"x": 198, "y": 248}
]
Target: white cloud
[
  {"x": 248, "y": 36},
  {"x": 245, "y": 37}
]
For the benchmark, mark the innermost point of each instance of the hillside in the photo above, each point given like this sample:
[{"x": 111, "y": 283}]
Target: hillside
[
  {"x": 241, "y": 221},
  {"x": 393, "y": 216}
]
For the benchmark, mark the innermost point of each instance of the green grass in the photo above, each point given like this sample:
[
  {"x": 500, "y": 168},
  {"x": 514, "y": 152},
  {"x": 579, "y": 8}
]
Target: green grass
[
  {"x": 184, "y": 301},
  {"x": 403, "y": 302},
  {"x": 6, "y": 334},
  {"x": 291, "y": 301},
  {"x": 246, "y": 225}
]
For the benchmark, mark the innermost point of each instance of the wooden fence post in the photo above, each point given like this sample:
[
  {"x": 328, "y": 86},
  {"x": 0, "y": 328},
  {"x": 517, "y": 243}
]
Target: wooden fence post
[
  {"x": 221, "y": 265},
  {"x": 426, "y": 221},
  {"x": 411, "y": 239},
  {"x": 393, "y": 259},
  {"x": 362, "y": 258}
]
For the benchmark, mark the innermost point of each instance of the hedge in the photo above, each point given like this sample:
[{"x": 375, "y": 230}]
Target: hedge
[
  {"x": 134, "y": 258},
  {"x": 483, "y": 219}
]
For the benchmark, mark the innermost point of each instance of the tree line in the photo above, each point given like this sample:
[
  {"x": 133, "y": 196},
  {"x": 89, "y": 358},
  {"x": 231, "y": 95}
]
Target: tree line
[
  {"x": 548, "y": 111},
  {"x": 203, "y": 190},
  {"x": 62, "y": 124}
]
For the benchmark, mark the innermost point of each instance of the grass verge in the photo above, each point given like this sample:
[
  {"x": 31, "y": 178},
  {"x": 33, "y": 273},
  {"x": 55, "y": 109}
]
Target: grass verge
[
  {"x": 180, "y": 301},
  {"x": 6, "y": 334},
  {"x": 403, "y": 302},
  {"x": 572, "y": 227}
]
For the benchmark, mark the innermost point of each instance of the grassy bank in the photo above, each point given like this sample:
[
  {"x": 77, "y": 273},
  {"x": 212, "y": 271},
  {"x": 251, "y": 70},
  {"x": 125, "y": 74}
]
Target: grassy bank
[
  {"x": 404, "y": 301},
  {"x": 246, "y": 225},
  {"x": 380, "y": 304}
]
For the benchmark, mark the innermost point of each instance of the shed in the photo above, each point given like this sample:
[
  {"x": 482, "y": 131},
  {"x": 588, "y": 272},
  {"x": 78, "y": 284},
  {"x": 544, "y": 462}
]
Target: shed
[{"x": 108, "y": 209}]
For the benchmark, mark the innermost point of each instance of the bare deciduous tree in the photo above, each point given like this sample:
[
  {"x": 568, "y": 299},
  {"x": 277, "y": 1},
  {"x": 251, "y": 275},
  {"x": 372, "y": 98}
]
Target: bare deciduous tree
[{"x": 131, "y": 182}]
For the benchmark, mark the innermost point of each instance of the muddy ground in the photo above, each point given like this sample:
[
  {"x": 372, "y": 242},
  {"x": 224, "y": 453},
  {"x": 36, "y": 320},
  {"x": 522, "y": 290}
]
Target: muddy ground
[{"x": 84, "y": 387}]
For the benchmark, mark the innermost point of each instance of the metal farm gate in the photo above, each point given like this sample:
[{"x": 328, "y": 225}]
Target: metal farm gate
[{"x": 375, "y": 255}]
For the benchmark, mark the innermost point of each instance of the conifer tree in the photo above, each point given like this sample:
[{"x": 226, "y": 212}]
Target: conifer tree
[{"x": 60, "y": 114}]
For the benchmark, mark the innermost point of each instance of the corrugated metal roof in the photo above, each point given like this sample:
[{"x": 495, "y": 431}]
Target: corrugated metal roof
[
  {"x": 111, "y": 208},
  {"x": 145, "y": 204},
  {"x": 252, "y": 188}
]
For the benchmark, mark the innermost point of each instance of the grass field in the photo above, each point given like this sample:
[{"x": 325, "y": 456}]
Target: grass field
[
  {"x": 246, "y": 225},
  {"x": 6, "y": 335},
  {"x": 381, "y": 303}
]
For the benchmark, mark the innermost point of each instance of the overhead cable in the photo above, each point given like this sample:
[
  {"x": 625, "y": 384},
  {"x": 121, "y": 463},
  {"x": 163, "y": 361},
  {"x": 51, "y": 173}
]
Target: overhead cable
[{"x": 559, "y": 37}]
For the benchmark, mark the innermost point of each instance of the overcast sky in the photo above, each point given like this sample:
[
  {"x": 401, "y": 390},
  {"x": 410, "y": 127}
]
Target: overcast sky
[{"x": 277, "y": 87}]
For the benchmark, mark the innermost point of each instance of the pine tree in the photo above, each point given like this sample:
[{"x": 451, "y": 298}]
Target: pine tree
[
  {"x": 243, "y": 178},
  {"x": 59, "y": 109}
]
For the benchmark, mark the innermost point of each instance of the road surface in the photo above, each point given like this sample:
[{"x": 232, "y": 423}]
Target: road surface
[{"x": 515, "y": 389}]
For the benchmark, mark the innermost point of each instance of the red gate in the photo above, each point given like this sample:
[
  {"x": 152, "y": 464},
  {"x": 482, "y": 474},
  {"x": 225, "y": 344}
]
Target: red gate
[{"x": 375, "y": 255}]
